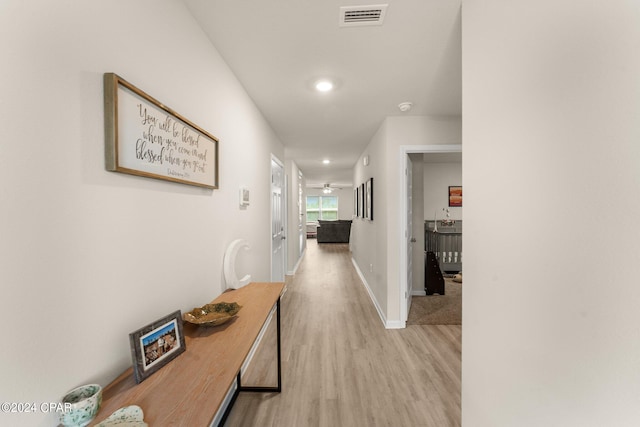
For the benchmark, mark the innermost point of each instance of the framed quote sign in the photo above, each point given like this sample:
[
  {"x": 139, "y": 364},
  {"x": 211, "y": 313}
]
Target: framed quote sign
[{"x": 146, "y": 138}]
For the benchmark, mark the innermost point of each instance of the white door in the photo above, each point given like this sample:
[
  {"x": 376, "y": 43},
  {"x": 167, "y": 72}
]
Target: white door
[
  {"x": 302, "y": 228},
  {"x": 409, "y": 233},
  {"x": 277, "y": 222}
]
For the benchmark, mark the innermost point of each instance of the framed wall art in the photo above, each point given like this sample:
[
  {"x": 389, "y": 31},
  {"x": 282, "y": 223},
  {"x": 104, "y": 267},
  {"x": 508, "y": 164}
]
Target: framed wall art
[
  {"x": 355, "y": 202},
  {"x": 156, "y": 344},
  {"x": 455, "y": 196},
  {"x": 362, "y": 201},
  {"x": 146, "y": 138},
  {"x": 369, "y": 199}
]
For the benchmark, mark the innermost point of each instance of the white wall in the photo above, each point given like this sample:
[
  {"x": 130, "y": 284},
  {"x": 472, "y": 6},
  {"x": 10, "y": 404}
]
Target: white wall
[
  {"x": 408, "y": 131},
  {"x": 550, "y": 312},
  {"x": 345, "y": 200},
  {"x": 376, "y": 244},
  {"x": 88, "y": 256},
  {"x": 368, "y": 238},
  {"x": 437, "y": 179}
]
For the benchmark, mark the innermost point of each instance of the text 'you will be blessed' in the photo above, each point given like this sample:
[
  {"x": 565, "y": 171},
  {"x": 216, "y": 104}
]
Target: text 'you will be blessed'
[{"x": 165, "y": 141}]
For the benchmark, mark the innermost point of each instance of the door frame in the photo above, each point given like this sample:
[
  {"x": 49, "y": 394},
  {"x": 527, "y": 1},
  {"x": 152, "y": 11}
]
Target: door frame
[
  {"x": 285, "y": 198},
  {"x": 405, "y": 150}
]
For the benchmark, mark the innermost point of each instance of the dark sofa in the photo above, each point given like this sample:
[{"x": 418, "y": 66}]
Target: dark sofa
[{"x": 337, "y": 231}]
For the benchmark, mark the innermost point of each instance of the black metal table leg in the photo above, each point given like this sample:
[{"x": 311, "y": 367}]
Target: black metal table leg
[
  {"x": 278, "y": 388},
  {"x": 240, "y": 387}
]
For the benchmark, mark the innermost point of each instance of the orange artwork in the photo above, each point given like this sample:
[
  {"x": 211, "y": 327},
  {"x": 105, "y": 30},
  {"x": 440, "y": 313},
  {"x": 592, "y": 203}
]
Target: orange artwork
[{"x": 455, "y": 196}]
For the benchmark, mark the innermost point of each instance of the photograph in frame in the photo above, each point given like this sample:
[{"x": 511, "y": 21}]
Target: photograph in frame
[{"x": 156, "y": 344}]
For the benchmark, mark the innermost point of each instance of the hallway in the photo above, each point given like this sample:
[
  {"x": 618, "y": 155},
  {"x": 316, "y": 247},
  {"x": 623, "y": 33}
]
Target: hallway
[{"x": 341, "y": 367}]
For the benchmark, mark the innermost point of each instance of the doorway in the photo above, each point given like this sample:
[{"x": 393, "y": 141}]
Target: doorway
[
  {"x": 278, "y": 219},
  {"x": 407, "y": 233}
]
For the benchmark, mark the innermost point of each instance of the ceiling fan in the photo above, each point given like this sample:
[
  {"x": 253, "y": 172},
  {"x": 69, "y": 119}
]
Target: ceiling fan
[{"x": 327, "y": 188}]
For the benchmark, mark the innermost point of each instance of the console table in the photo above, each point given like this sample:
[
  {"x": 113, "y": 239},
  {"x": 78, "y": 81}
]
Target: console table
[{"x": 191, "y": 389}]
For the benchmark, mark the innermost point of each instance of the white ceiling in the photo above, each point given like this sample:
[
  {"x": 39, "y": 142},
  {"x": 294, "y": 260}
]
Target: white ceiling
[{"x": 279, "y": 48}]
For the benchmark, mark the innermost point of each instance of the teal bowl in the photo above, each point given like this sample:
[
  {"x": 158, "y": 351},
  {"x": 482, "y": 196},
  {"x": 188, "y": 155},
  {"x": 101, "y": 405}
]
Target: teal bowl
[{"x": 81, "y": 405}]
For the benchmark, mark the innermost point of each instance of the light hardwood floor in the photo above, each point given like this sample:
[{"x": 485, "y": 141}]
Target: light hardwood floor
[{"x": 341, "y": 367}]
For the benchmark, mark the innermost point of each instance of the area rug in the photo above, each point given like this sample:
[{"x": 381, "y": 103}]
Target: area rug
[{"x": 438, "y": 309}]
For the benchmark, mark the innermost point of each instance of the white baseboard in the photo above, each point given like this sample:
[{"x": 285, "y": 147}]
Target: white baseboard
[
  {"x": 295, "y": 267},
  {"x": 388, "y": 324},
  {"x": 421, "y": 293},
  {"x": 395, "y": 324}
]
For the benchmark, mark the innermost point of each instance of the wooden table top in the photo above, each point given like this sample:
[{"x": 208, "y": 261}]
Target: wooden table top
[{"x": 190, "y": 389}]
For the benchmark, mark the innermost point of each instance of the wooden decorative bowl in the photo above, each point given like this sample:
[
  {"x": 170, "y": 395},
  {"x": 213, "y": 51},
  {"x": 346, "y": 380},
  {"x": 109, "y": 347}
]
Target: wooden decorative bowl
[{"x": 212, "y": 314}]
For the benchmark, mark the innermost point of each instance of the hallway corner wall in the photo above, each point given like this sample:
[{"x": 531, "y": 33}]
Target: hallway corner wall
[
  {"x": 368, "y": 238},
  {"x": 376, "y": 244},
  {"x": 87, "y": 255},
  {"x": 550, "y": 309}
]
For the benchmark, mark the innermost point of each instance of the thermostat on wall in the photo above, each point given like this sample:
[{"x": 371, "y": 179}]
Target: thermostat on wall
[{"x": 244, "y": 196}]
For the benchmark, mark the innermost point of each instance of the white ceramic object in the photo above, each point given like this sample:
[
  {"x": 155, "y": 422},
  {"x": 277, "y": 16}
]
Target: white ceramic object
[
  {"x": 229, "y": 265},
  {"x": 84, "y": 403},
  {"x": 129, "y": 416}
]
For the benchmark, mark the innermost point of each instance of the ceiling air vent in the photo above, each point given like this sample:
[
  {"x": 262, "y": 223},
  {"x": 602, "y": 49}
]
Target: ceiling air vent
[{"x": 357, "y": 16}]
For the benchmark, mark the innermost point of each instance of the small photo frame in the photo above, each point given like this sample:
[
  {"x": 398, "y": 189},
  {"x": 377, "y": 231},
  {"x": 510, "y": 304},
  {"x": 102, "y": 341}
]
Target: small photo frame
[
  {"x": 156, "y": 344},
  {"x": 455, "y": 196}
]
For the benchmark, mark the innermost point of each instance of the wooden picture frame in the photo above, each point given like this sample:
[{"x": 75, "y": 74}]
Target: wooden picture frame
[
  {"x": 355, "y": 203},
  {"x": 146, "y": 138},
  {"x": 362, "y": 201},
  {"x": 156, "y": 344},
  {"x": 455, "y": 196},
  {"x": 369, "y": 199}
]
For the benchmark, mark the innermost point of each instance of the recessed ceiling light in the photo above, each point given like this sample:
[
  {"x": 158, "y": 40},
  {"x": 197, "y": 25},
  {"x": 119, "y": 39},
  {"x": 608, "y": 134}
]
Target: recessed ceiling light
[
  {"x": 326, "y": 161},
  {"x": 324, "y": 86}
]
